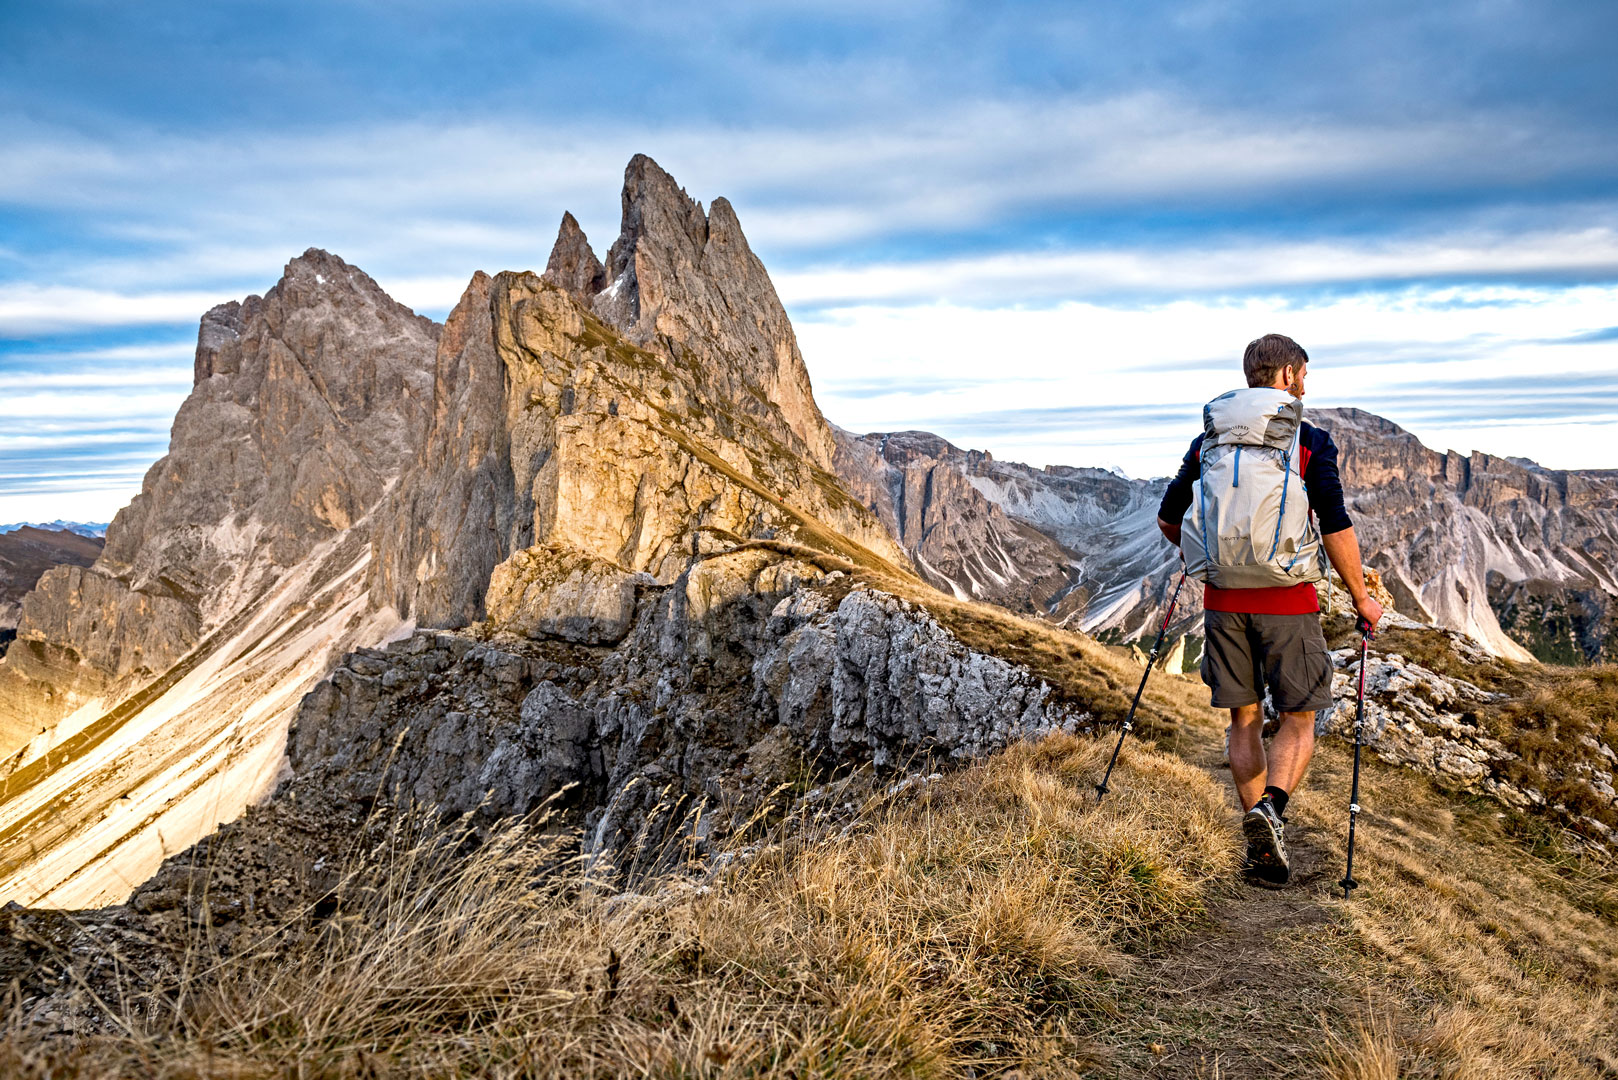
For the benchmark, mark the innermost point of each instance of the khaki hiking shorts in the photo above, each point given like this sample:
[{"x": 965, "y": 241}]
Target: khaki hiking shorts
[{"x": 1244, "y": 654}]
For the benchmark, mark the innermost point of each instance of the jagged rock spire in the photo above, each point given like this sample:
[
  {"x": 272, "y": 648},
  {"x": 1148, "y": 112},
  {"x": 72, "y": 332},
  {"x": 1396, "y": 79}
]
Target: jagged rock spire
[
  {"x": 572, "y": 265},
  {"x": 678, "y": 280}
]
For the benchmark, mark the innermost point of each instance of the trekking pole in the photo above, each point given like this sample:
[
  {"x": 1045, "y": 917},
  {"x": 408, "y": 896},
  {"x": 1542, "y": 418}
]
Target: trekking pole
[
  {"x": 1348, "y": 883},
  {"x": 1101, "y": 788}
]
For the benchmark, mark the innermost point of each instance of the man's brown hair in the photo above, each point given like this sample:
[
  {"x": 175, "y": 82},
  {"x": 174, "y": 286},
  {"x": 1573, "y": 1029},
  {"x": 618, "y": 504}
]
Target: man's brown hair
[{"x": 1266, "y": 357}]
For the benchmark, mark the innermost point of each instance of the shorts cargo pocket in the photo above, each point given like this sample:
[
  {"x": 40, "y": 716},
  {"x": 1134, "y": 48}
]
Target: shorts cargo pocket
[{"x": 1313, "y": 680}]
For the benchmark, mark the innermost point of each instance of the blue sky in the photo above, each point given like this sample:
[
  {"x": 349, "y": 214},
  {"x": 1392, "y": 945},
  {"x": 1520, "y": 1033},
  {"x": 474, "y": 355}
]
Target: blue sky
[{"x": 1046, "y": 230}]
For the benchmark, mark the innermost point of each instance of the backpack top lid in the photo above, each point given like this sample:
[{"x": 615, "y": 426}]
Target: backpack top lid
[{"x": 1255, "y": 416}]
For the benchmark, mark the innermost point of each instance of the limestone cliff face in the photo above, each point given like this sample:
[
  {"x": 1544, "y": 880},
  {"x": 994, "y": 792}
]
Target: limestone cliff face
[
  {"x": 632, "y": 427},
  {"x": 147, "y": 696},
  {"x": 1066, "y": 544},
  {"x": 307, "y": 402},
  {"x": 963, "y": 542},
  {"x": 721, "y": 684}
]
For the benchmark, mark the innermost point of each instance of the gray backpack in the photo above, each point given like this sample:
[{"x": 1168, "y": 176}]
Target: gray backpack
[{"x": 1249, "y": 525}]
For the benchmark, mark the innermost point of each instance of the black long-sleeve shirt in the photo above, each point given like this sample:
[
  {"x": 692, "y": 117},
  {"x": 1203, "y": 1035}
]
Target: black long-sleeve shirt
[{"x": 1320, "y": 480}]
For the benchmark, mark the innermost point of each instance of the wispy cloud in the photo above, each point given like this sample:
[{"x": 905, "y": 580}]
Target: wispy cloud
[
  {"x": 1549, "y": 397},
  {"x": 416, "y": 195},
  {"x": 1121, "y": 383},
  {"x": 27, "y": 309},
  {"x": 1227, "y": 266},
  {"x": 1589, "y": 337}
]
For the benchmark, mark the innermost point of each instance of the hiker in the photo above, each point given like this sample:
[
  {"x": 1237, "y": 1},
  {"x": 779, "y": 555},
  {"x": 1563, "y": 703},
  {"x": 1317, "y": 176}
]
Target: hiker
[{"x": 1235, "y": 514}]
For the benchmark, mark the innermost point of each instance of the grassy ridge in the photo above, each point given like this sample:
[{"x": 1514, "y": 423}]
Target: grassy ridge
[{"x": 966, "y": 926}]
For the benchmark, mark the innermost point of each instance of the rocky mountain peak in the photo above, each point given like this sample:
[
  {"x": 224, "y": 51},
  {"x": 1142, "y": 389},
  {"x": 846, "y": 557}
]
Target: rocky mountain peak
[
  {"x": 657, "y": 212},
  {"x": 318, "y": 279},
  {"x": 221, "y": 326},
  {"x": 679, "y": 282},
  {"x": 1522, "y": 557},
  {"x": 599, "y": 425}
]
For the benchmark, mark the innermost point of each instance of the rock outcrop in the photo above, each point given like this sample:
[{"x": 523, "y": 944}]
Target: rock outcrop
[
  {"x": 1439, "y": 725},
  {"x": 1420, "y": 719},
  {"x": 307, "y": 403},
  {"x": 25, "y": 554},
  {"x": 728, "y": 682}
]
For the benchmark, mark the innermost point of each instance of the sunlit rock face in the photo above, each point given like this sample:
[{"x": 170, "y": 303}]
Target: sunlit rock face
[{"x": 637, "y": 416}]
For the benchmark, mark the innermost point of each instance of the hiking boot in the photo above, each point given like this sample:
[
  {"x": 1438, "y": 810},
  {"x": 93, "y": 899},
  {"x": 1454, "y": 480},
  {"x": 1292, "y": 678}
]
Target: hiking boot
[{"x": 1266, "y": 851}]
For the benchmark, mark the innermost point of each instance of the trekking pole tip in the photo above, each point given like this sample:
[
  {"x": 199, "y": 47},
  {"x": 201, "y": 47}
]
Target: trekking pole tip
[{"x": 1349, "y": 885}]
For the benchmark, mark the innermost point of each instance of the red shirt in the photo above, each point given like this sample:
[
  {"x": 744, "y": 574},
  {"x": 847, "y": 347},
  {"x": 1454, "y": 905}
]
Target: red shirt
[{"x": 1299, "y": 599}]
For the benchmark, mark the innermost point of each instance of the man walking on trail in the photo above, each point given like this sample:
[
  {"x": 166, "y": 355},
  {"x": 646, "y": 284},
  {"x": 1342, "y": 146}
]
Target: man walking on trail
[{"x": 1262, "y": 614}]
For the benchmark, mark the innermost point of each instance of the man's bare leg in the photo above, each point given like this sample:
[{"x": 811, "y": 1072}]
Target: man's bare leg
[
  {"x": 1247, "y": 765},
  {"x": 1287, "y": 761},
  {"x": 1290, "y": 751}
]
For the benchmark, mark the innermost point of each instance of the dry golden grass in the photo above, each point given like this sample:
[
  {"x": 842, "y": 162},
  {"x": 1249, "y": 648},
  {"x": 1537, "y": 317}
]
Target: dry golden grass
[
  {"x": 1482, "y": 944},
  {"x": 1556, "y": 721},
  {"x": 1497, "y": 958},
  {"x": 1370, "y": 1053},
  {"x": 964, "y": 927}
]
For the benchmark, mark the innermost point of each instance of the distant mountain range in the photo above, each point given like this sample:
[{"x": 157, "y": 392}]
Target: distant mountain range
[
  {"x": 26, "y": 552},
  {"x": 1522, "y": 558},
  {"x": 80, "y": 527}
]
